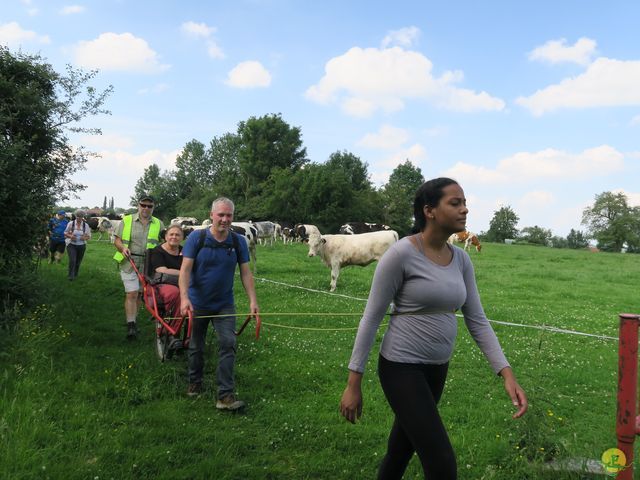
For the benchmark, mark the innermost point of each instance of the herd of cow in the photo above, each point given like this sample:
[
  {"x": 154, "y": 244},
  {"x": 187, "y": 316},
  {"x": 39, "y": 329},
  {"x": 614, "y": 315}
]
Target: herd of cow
[{"x": 357, "y": 243}]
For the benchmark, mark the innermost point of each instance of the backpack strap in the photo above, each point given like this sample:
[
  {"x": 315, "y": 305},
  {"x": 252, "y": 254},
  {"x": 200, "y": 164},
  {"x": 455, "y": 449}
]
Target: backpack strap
[{"x": 203, "y": 236}]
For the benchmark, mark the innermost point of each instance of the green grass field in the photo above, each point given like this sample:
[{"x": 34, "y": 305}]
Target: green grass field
[{"x": 80, "y": 402}]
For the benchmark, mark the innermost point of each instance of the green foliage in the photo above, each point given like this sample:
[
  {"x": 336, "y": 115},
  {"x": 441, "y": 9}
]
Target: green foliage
[
  {"x": 536, "y": 235},
  {"x": 38, "y": 107},
  {"x": 398, "y": 195},
  {"x": 576, "y": 239},
  {"x": 503, "y": 225},
  {"x": 612, "y": 222},
  {"x": 162, "y": 186}
]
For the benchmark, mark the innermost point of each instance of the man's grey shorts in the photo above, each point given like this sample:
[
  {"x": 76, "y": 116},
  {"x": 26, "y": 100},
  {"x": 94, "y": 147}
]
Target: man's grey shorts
[{"x": 130, "y": 281}]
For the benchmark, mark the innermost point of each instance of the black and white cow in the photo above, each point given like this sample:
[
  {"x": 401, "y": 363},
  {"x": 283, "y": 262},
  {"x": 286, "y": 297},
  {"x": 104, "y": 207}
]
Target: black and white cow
[
  {"x": 249, "y": 232},
  {"x": 303, "y": 231},
  {"x": 354, "y": 228},
  {"x": 184, "y": 221},
  {"x": 267, "y": 232},
  {"x": 99, "y": 224}
]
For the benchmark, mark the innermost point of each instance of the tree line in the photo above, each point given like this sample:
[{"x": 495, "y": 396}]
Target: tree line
[{"x": 263, "y": 167}]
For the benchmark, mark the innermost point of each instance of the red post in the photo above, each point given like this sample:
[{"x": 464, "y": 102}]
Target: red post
[{"x": 627, "y": 389}]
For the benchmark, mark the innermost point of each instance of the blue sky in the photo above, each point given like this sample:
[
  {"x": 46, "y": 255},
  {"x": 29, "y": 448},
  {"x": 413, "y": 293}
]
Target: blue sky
[{"x": 533, "y": 105}]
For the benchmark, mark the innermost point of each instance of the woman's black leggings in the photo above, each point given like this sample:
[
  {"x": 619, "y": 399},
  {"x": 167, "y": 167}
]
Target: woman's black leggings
[{"x": 413, "y": 392}]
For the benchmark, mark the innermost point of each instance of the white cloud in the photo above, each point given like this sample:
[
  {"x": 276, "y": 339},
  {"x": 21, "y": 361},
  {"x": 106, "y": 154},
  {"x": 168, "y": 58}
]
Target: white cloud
[
  {"x": 536, "y": 199},
  {"x": 107, "y": 140},
  {"x": 118, "y": 52},
  {"x": 72, "y": 9},
  {"x": 363, "y": 81},
  {"x": 202, "y": 30},
  {"x": 387, "y": 137},
  {"x": 605, "y": 83},
  {"x": 381, "y": 169},
  {"x": 197, "y": 29},
  {"x": 557, "y": 51},
  {"x": 115, "y": 173},
  {"x": 13, "y": 35},
  {"x": 524, "y": 167},
  {"x": 405, "y": 37},
  {"x": 249, "y": 74},
  {"x": 635, "y": 121},
  {"x": 157, "y": 88},
  {"x": 214, "y": 50}
]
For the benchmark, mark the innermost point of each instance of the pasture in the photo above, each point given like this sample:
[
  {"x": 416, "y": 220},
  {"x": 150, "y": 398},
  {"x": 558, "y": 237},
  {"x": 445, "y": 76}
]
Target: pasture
[{"x": 80, "y": 402}]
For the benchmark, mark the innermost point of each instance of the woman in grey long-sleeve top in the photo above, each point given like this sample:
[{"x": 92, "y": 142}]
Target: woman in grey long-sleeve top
[{"x": 426, "y": 279}]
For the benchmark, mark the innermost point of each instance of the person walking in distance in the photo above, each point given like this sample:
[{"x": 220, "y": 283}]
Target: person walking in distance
[
  {"x": 427, "y": 280},
  {"x": 77, "y": 234},
  {"x": 136, "y": 234},
  {"x": 56, "y": 227},
  {"x": 206, "y": 289}
]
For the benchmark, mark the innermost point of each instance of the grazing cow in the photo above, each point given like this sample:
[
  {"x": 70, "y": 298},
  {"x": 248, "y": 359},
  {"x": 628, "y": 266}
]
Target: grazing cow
[
  {"x": 468, "y": 238},
  {"x": 184, "y": 221},
  {"x": 99, "y": 224},
  {"x": 247, "y": 231},
  {"x": 354, "y": 228},
  {"x": 339, "y": 251},
  {"x": 288, "y": 235},
  {"x": 266, "y": 231},
  {"x": 303, "y": 232}
]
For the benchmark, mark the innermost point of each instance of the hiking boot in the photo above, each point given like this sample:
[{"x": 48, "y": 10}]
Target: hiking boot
[
  {"x": 194, "y": 389},
  {"x": 229, "y": 402},
  {"x": 132, "y": 331}
]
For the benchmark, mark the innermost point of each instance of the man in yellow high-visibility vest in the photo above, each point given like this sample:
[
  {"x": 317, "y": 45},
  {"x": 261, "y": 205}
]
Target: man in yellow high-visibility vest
[{"x": 134, "y": 236}]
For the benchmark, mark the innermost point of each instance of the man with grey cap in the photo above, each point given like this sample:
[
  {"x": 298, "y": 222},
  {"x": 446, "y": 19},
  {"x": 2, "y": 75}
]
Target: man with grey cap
[{"x": 134, "y": 236}]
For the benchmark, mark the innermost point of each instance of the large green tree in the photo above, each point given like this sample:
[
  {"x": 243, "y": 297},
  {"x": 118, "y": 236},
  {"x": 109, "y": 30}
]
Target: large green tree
[
  {"x": 162, "y": 187},
  {"x": 399, "y": 194},
  {"x": 39, "y": 107},
  {"x": 611, "y": 221},
  {"x": 503, "y": 225},
  {"x": 266, "y": 143},
  {"x": 537, "y": 235},
  {"x": 577, "y": 239}
]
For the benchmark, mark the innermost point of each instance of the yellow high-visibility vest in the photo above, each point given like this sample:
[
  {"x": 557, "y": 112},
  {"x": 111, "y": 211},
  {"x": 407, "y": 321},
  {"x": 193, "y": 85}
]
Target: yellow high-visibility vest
[{"x": 152, "y": 237}]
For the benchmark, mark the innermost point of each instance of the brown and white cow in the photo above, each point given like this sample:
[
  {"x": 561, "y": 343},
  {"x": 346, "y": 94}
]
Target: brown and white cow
[
  {"x": 338, "y": 251},
  {"x": 354, "y": 228},
  {"x": 466, "y": 237}
]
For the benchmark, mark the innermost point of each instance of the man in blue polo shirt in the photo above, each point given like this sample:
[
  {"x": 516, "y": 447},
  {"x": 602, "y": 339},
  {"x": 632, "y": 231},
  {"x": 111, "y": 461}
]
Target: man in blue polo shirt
[
  {"x": 57, "y": 225},
  {"x": 206, "y": 288}
]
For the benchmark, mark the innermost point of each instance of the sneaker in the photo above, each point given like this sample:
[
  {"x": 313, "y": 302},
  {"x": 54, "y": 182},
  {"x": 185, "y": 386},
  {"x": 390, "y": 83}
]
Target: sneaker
[
  {"x": 229, "y": 402},
  {"x": 194, "y": 389},
  {"x": 132, "y": 331}
]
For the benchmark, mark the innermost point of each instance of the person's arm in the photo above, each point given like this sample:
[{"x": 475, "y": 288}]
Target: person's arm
[
  {"x": 484, "y": 336},
  {"x": 168, "y": 271},
  {"x": 183, "y": 284},
  {"x": 86, "y": 231},
  {"x": 68, "y": 230},
  {"x": 247, "y": 282},
  {"x": 117, "y": 242}
]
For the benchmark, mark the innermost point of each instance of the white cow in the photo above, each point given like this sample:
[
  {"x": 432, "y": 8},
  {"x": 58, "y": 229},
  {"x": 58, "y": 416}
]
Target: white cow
[
  {"x": 339, "y": 251},
  {"x": 114, "y": 228},
  {"x": 183, "y": 221}
]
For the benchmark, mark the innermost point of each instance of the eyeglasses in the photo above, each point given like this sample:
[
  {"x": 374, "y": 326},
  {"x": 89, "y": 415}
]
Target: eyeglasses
[{"x": 145, "y": 205}]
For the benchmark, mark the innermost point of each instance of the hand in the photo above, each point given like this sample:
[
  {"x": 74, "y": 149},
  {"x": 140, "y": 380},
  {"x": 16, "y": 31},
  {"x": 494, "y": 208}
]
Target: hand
[
  {"x": 126, "y": 252},
  {"x": 185, "y": 307},
  {"x": 255, "y": 310},
  {"x": 515, "y": 392},
  {"x": 351, "y": 404}
]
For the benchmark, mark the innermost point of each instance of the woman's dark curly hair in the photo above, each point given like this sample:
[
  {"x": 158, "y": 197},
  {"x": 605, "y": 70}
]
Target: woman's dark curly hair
[{"x": 429, "y": 194}]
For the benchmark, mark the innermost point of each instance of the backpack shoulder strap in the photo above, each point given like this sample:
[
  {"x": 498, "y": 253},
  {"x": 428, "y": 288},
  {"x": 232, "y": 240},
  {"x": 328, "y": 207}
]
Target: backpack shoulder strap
[{"x": 236, "y": 245}]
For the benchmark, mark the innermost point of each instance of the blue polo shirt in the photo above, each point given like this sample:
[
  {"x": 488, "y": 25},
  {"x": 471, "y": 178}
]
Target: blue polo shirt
[
  {"x": 211, "y": 283},
  {"x": 57, "y": 227}
]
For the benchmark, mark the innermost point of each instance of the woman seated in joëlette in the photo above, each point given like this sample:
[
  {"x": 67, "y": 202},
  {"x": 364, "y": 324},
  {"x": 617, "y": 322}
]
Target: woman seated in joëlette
[{"x": 164, "y": 265}]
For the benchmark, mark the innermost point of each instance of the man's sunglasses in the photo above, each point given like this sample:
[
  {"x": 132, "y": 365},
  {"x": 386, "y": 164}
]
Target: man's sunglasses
[{"x": 145, "y": 205}]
